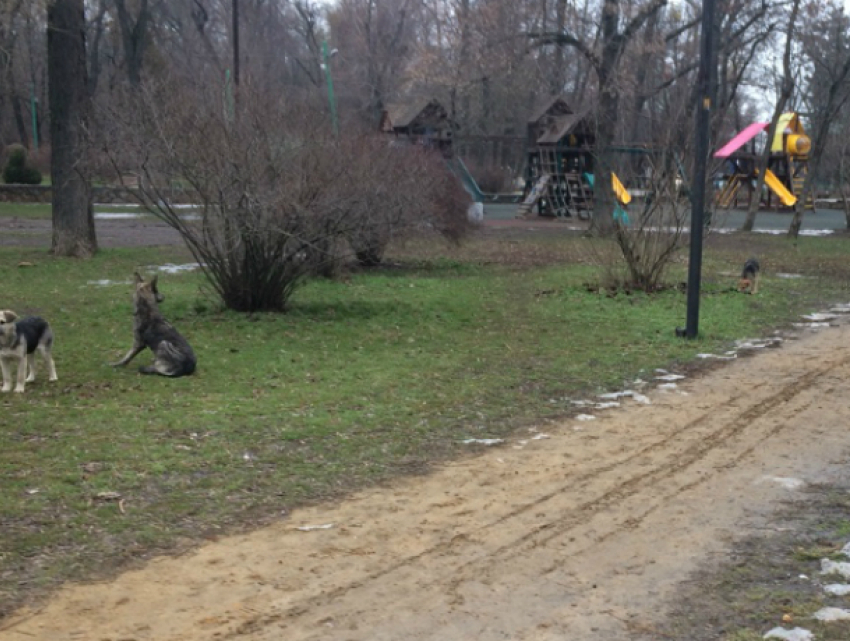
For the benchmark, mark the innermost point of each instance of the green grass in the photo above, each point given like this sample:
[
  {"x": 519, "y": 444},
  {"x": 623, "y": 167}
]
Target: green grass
[
  {"x": 43, "y": 211},
  {"x": 380, "y": 374}
]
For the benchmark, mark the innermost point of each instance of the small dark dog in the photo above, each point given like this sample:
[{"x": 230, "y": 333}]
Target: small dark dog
[
  {"x": 19, "y": 339},
  {"x": 173, "y": 356},
  {"x": 749, "y": 280}
]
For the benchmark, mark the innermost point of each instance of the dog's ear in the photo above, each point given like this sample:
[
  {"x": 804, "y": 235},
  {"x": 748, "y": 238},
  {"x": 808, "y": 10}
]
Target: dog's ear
[
  {"x": 8, "y": 316},
  {"x": 138, "y": 278},
  {"x": 154, "y": 281}
]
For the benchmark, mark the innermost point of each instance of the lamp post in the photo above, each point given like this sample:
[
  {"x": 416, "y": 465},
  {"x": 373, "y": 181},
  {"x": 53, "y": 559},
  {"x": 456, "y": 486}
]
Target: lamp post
[
  {"x": 331, "y": 99},
  {"x": 706, "y": 98}
]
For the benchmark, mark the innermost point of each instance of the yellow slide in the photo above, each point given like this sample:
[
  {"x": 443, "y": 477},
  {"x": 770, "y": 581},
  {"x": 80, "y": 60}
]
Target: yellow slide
[
  {"x": 622, "y": 194},
  {"x": 775, "y": 185}
]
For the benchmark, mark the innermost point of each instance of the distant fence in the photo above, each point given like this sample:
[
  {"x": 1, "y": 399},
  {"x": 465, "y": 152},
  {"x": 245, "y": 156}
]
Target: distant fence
[{"x": 101, "y": 194}]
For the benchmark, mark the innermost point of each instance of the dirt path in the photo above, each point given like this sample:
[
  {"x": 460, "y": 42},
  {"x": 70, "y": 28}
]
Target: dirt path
[{"x": 585, "y": 534}]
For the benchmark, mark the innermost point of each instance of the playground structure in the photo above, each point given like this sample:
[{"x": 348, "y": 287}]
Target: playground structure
[
  {"x": 559, "y": 158},
  {"x": 786, "y": 171},
  {"x": 559, "y": 178},
  {"x": 425, "y": 123}
]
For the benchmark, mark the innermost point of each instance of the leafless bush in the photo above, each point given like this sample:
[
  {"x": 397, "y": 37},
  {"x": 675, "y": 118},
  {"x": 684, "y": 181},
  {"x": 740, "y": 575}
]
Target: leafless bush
[
  {"x": 414, "y": 193},
  {"x": 490, "y": 178},
  {"x": 647, "y": 237},
  {"x": 275, "y": 191}
]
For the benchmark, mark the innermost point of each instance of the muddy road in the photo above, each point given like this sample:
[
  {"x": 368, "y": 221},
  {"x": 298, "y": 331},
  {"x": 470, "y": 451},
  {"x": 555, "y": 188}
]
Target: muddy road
[{"x": 583, "y": 529}]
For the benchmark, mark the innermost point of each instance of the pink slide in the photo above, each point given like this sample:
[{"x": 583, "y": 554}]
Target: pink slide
[{"x": 741, "y": 139}]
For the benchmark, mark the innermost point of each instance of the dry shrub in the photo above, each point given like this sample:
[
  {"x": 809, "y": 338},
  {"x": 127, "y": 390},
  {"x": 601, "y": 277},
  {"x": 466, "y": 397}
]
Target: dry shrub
[
  {"x": 646, "y": 241},
  {"x": 490, "y": 178},
  {"x": 276, "y": 192}
]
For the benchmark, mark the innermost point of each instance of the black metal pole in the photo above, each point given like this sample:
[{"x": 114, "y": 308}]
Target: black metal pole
[
  {"x": 701, "y": 148},
  {"x": 236, "y": 43}
]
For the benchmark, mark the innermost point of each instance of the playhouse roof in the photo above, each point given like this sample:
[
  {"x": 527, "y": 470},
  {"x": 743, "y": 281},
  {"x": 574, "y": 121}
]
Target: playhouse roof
[
  {"x": 556, "y": 106},
  {"x": 559, "y": 127},
  {"x": 403, "y": 115}
]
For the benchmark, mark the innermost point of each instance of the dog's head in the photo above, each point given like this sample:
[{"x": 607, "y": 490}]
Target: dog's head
[
  {"x": 149, "y": 288},
  {"x": 7, "y": 316},
  {"x": 744, "y": 284},
  {"x": 8, "y": 331}
]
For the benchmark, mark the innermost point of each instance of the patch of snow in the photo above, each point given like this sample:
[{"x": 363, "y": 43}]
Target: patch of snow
[
  {"x": 783, "y": 275},
  {"x": 310, "y": 528},
  {"x": 171, "y": 268},
  {"x": 116, "y": 215},
  {"x": 585, "y": 417},
  {"x": 725, "y": 357},
  {"x": 837, "y": 589},
  {"x": 828, "y": 566},
  {"x": 788, "y": 483},
  {"x": 846, "y": 550},
  {"x": 797, "y": 634},
  {"x": 636, "y": 396},
  {"x": 605, "y": 406},
  {"x": 832, "y": 614},
  {"x": 811, "y": 325},
  {"x": 483, "y": 441},
  {"x": 757, "y": 343},
  {"x": 667, "y": 386},
  {"x": 669, "y": 377},
  {"x": 818, "y": 317},
  {"x": 105, "y": 282}
]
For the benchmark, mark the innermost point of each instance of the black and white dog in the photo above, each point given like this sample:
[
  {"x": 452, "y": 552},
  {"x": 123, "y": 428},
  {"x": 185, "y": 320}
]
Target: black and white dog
[{"x": 19, "y": 339}]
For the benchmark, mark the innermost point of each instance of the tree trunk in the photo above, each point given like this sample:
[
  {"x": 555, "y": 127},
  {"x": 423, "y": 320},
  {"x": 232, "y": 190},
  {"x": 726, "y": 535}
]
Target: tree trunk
[
  {"x": 73, "y": 218},
  {"x": 603, "y": 189},
  {"x": 20, "y": 121},
  {"x": 134, "y": 38}
]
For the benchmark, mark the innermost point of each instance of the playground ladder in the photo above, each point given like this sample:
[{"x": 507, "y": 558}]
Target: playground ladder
[
  {"x": 581, "y": 199},
  {"x": 557, "y": 194},
  {"x": 799, "y": 171},
  {"x": 727, "y": 197}
]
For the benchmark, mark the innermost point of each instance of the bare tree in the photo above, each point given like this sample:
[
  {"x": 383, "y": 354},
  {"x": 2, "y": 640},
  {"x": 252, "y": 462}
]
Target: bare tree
[
  {"x": 786, "y": 90},
  {"x": 829, "y": 52},
  {"x": 605, "y": 60},
  {"x": 73, "y": 217}
]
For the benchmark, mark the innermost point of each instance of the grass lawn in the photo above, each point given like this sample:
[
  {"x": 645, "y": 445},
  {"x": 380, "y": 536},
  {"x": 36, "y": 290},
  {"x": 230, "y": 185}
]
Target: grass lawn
[
  {"x": 379, "y": 374},
  {"x": 44, "y": 210}
]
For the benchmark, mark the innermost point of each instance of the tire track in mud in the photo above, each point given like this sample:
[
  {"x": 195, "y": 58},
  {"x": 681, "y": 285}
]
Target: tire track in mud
[{"x": 734, "y": 424}]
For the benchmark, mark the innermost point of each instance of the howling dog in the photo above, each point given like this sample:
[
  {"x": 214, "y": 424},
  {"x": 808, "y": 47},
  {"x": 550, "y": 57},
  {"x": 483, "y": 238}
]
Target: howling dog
[
  {"x": 19, "y": 339},
  {"x": 173, "y": 356},
  {"x": 750, "y": 277}
]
